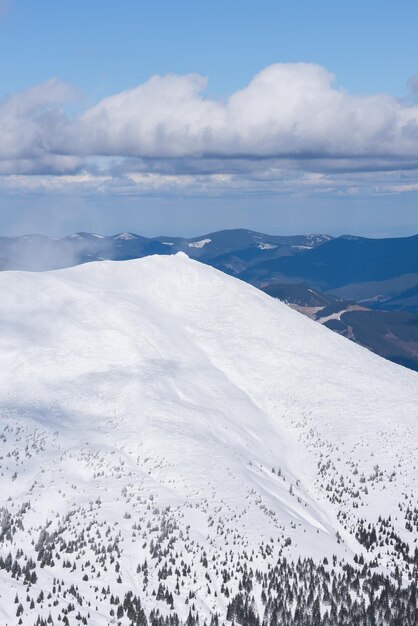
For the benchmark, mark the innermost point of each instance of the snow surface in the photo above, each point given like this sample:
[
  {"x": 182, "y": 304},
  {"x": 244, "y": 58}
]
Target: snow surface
[
  {"x": 137, "y": 393},
  {"x": 266, "y": 246},
  {"x": 125, "y": 236},
  {"x": 199, "y": 244}
]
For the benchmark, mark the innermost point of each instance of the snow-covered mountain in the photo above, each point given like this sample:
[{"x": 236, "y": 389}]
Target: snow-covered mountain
[{"x": 172, "y": 442}]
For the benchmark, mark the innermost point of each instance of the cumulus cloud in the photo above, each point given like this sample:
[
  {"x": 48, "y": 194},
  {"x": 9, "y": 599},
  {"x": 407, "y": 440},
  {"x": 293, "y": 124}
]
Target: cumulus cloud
[
  {"x": 289, "y": 123},
  {"x": 165, "y": 117},
  {"x": 32, "y": 129},
  {"x": 287, "y": 111}
]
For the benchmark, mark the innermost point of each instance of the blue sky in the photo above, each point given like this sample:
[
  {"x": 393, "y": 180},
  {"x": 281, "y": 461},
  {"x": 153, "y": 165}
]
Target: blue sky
[{"x": 307, "y": 120}]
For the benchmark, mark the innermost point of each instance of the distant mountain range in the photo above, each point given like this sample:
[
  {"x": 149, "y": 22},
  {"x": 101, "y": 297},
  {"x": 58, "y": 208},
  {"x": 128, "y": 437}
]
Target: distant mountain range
[
  {"x": 233, "y": 251},
  {"x": 392, "y": 334},
  {"x": 382, "y": 273},
  {"x": 365, "y": 289}
]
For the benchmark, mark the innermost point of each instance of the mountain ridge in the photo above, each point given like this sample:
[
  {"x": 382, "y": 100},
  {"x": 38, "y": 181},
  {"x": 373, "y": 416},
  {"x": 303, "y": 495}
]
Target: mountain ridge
[
  {"x": 161, "y": 394},
  {"x": 268, "y": 261}
]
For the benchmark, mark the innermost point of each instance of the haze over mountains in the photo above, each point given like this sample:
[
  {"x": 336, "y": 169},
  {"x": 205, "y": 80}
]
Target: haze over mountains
[
  {"x": 38, "y": 252},
  {"x": 382, "y": 273},
  {"x": 366, "y": 289},
  {"x": 182, "y": 448}
]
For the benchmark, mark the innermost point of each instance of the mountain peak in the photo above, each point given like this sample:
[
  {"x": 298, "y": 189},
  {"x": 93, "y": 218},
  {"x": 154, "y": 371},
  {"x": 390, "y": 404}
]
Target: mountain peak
[
  {"x": 158, "y": 411},
  {"x": 126, "y": 236}
]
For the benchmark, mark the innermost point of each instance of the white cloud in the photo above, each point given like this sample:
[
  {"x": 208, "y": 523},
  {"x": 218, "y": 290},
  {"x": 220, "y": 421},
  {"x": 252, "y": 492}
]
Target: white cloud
[
  {"x": 276, "y": 181},
  {"x": 286, "y": 126},
  {"x": 287, "y": 110},
  {"x": 166, "y": 116},
  {"x": 32, "y": 125},
  {"x": 404, "y": 187}
]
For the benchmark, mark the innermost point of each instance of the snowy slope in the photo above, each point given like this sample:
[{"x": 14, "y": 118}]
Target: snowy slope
[{"x": 157, "y": 410}]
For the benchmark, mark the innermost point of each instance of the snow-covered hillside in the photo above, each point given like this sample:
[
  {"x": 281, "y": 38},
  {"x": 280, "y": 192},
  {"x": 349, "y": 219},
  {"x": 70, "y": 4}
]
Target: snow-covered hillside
[{"x": 172, "y": 433}]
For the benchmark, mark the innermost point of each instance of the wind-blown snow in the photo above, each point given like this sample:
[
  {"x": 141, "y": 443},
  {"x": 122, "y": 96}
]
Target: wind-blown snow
[{"x": 130, "y": 387}]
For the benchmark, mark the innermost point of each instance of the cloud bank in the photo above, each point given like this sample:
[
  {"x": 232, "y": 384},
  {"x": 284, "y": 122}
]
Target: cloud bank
[
  {"x": 290, "y": 126},
  {"x": 287, "y": 110}
]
